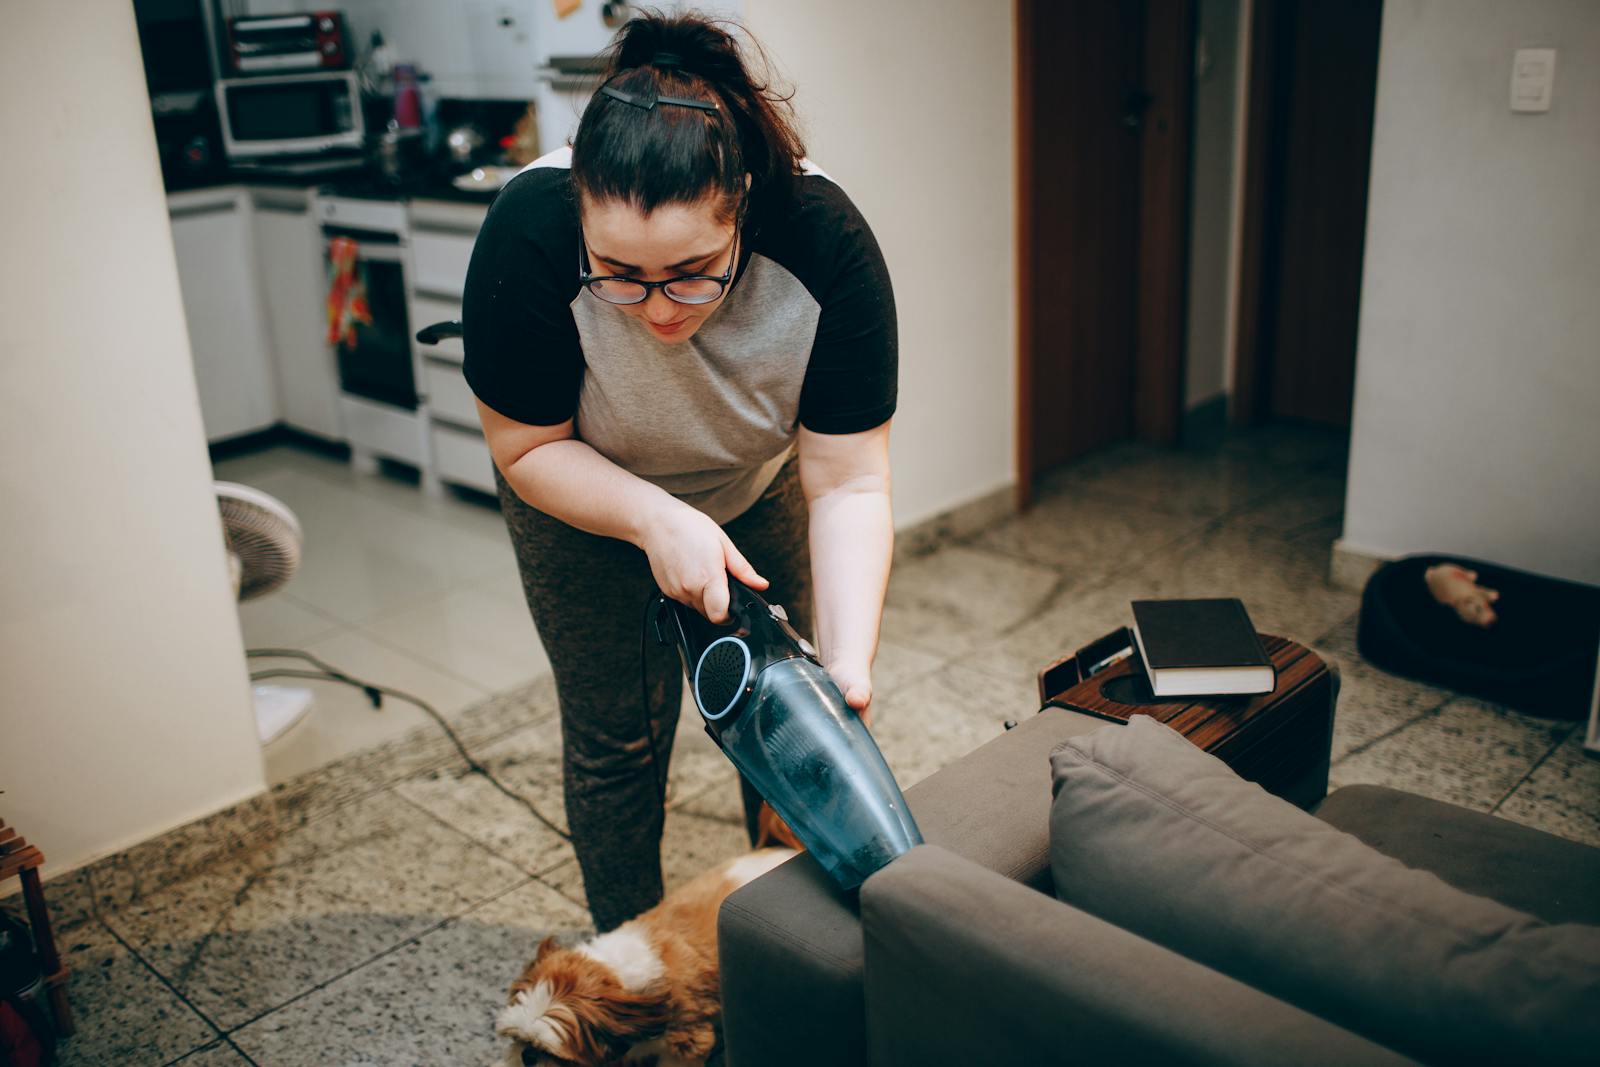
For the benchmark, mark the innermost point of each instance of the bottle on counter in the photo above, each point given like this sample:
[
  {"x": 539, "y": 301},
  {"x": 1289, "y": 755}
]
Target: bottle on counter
[{"x": 407, "y": 98}]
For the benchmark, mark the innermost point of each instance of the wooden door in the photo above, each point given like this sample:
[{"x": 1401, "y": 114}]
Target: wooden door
[
  {"x": 1314, "y": 77},
  {"x": 1103, "y": 125}
]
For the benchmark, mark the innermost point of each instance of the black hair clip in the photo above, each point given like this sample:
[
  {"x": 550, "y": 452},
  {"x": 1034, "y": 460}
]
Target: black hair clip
[{"x": 648, "y": 100}]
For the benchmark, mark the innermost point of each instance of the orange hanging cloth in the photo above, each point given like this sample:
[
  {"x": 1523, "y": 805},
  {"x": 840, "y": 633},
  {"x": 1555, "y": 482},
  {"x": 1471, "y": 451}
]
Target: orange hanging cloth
[{"x": 347, "y": 292}]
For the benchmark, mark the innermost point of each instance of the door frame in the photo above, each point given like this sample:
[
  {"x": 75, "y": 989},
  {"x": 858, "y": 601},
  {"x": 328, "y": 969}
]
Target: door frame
[
  {"x": 1163, "y": 271},
  {"x": 1023, "y": 61}
]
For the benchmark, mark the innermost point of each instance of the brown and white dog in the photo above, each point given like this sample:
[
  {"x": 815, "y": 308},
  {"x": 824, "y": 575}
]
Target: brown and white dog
[{"x": 648, "y": 989}]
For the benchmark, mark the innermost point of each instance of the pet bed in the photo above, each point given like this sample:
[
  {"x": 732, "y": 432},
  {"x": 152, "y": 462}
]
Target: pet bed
[{"x": 1538, "y": 657}]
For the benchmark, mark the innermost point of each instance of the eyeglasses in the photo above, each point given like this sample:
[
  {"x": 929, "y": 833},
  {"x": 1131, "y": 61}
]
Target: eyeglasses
[{"x": 689, "y": 289}]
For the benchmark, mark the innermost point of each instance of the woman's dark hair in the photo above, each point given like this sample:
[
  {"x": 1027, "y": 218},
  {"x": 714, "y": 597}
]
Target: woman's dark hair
[{"x": 669, "y": 153}]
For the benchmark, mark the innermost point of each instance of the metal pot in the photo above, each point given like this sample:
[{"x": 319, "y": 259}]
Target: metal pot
[{"x": 463, "y": 142}]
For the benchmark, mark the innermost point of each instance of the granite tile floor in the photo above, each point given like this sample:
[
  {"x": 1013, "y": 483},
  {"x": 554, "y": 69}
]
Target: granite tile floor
[{"x": 405, "y": 891}]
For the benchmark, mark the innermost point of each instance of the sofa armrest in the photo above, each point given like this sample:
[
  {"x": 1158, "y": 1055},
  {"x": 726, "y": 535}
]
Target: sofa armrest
[
  {"x": 1034, "y": 980},
  {"x": 790, "y": 943}
]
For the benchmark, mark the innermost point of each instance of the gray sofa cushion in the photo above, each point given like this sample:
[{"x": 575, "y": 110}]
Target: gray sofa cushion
[
  {"x": 1523, "y": 868},
  {"x": 1152, "y": 834}
]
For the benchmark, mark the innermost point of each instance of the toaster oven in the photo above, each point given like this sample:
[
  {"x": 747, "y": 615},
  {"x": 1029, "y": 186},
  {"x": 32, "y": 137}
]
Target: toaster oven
[{"x": 282, "y": 44}]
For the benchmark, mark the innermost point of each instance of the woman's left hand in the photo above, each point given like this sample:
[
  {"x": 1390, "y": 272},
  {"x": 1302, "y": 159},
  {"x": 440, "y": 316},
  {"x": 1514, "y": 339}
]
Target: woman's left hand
[{"x": 855, "y": 682}]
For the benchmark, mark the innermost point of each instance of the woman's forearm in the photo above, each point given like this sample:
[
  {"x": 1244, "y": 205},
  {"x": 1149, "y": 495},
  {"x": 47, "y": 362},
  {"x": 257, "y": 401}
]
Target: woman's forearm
[
  {"x": 569, "y": 480},
  {"x": 852, "y": 540}
]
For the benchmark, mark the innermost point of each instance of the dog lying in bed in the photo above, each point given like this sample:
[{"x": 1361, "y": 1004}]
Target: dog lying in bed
[{"x": 647, "y": 990}]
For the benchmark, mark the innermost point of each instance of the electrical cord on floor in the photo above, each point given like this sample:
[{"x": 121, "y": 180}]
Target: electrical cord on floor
[{"x": 376, "y": 693}]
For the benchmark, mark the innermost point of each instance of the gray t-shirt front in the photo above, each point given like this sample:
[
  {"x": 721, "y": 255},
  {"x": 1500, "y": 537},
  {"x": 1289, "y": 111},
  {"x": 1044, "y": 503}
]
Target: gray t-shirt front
[{"x": 805, "y": 335}]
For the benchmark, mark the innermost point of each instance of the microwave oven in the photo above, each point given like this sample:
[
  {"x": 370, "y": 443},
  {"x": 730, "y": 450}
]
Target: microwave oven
[{"x": 290, "y": 114}]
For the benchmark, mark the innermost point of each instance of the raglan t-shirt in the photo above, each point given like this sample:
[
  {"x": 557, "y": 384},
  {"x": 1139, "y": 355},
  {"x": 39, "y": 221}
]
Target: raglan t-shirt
[{"x": 805, "y": 336}]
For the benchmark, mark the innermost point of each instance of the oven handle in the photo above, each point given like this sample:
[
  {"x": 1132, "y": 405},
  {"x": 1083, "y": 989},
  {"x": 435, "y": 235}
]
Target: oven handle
[
  {"x": 439, "y": 331},
  {"x": 373, "y": 252},
  {"x": 378, "y": 245}
]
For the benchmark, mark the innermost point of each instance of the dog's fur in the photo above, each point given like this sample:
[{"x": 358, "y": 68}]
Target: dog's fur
[
  {"x": 646, "y": 989},
  {"x": 771, "y": 831}
]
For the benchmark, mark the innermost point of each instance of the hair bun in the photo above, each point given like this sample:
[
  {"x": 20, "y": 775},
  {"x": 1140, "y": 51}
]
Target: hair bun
[
  {"x": 685, "y": 46},
  {"x": 745, "y": 150}
]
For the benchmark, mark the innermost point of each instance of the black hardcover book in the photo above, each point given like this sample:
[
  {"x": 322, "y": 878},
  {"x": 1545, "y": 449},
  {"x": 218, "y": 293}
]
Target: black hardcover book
[{"x": 1201, "y": 648}]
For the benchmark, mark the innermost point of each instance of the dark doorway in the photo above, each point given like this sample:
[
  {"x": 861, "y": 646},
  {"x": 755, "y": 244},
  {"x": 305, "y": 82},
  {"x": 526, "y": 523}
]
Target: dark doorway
[
  {"x": 1103, "y": 101},
  {"x": 1313, "y": 80}
]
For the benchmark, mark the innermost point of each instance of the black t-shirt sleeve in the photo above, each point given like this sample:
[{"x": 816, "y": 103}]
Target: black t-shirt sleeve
[
  {"x": 852, "y": 378},
  {"x": 522, "y": 357}
]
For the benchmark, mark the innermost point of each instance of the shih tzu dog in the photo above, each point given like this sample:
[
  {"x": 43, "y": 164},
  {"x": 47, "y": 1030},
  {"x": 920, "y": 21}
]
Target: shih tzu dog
[{"x": 647, "y": 990}]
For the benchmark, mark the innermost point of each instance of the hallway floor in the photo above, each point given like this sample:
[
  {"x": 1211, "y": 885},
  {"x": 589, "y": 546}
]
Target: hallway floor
[{"x": 403, "y": 893}]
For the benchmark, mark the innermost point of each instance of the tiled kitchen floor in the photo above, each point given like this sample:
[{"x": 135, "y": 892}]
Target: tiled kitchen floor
[
  {"x": 382, "y": 926},
  {"x": 416, "y": 593}
]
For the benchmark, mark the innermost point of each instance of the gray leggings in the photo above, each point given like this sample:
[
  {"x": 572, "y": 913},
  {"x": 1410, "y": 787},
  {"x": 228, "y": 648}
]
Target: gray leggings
[{"x": 587, "y": 595}]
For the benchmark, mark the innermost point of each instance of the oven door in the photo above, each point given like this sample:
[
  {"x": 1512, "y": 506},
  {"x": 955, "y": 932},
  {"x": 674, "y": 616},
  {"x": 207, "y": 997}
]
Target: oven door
[
  {"x": 291, "y": 114},
  {"x": 378, "y": 364}
]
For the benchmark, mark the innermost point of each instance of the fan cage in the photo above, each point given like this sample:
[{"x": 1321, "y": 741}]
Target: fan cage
[{"x": 262, "y": 533}]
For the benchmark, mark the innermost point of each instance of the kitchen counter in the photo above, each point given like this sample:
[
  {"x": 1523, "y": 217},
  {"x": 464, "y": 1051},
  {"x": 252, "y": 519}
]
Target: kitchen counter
[
  {"x": 252, "y": 263},
  {"x": 364, "y": 183}
]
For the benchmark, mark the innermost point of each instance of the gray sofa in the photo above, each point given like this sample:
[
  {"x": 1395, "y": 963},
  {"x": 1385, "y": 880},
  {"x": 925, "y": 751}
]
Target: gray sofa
[{"x": 959, "y": 952}]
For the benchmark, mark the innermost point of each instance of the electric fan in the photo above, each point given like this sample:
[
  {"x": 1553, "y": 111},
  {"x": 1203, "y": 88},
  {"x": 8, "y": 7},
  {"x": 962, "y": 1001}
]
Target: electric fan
[{"x": 263, "y": 539}]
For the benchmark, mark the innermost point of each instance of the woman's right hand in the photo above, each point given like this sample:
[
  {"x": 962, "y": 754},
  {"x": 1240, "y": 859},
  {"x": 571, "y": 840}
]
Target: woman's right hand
[{"x": 691, "y": 558}]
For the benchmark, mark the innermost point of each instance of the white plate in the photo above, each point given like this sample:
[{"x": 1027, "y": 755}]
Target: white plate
[{"x": 484, "y": 179}]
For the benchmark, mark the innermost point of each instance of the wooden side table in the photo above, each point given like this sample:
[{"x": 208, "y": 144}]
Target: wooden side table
[
  {"x": 1280, "y": 740},
  {"x": 22, "y": 860}
]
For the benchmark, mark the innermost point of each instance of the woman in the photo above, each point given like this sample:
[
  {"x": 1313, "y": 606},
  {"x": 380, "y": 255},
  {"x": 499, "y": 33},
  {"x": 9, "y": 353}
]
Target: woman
[{"x": 682, "y": 341}]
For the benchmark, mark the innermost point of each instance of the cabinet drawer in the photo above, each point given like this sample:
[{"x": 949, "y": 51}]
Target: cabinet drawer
[
  {"x": 462, "y": 458},
  {"x": 441, "y": 262},
  {"x": 427, "y": 310},
  {"x": 383, "y": 429},
  {"x": 448, "y": 394}
]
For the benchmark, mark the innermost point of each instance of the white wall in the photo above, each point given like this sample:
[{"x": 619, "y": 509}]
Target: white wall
[
  {"x": 1476, "y": 427},
  {"x": 124, "y": 698},
  {"x": 1212, "y": 200},
  {"x": 909, "y": 105}
]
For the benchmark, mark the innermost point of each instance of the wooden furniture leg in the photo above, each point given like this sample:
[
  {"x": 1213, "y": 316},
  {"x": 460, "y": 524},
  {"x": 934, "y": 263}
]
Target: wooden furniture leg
[
  {"x": 44, "y": 943},
  {"x": 23, "y": 860}
]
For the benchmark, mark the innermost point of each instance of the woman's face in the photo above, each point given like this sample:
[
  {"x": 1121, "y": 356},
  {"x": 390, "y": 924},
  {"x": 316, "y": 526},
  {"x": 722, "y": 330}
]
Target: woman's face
[{"x": 672, "y": 241}]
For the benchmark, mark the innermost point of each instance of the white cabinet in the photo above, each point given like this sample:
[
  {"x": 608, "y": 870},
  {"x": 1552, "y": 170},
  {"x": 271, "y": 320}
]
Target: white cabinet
[
  {"x": 449, "y": 397},
  {"x": 442, "y": 236},
  {"x": 461, "y": 457},
  {"x": 289, "y": 255},
  {"x": 227, "y": 330}
]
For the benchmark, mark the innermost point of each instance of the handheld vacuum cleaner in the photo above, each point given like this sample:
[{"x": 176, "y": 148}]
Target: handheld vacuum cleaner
[{"x": 770, "y": 706}]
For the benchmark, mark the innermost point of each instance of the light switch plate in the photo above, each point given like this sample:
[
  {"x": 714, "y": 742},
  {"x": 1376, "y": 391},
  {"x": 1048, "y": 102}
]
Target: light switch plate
[{"x": 1533, "y": 78}]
